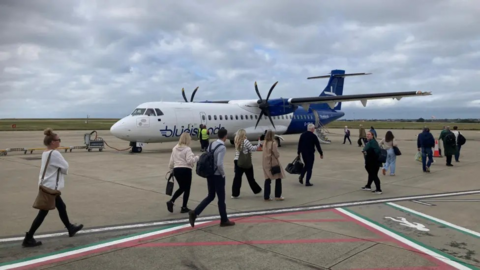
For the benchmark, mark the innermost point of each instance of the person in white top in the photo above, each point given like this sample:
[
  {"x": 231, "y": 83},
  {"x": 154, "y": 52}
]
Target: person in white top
[
  {"x": 244, "y": 145},
  {"x": 388, "y": 143},
  {"x": 457, "y": 151},
  {"x": 56, "y": 165},
  {"x": 181, "y": 163}
]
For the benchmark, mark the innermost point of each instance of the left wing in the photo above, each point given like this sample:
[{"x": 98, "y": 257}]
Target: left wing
[{"x": 331, "y": 100}]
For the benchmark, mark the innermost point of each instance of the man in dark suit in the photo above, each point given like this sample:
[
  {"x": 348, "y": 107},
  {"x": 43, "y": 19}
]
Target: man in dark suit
[{"x": 306, "y": 146}]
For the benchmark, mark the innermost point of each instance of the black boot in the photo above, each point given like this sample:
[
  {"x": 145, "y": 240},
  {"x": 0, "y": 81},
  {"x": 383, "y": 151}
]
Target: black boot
[
  {"x": 29, "y": 241},
  {"x": 72, "y": 230}
]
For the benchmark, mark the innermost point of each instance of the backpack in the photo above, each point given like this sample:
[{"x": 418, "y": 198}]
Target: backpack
[
  {"x": 206, "y": 166},
  {"x": 461, "y": 139},
  {"x": 244, "y": 160},
  {"x": 348, "y": 132},
  {"x": 382, "y": 156},
  {"x": 450, "y": 139}
]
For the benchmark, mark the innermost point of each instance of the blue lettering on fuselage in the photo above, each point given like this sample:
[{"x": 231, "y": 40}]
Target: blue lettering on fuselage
[{"x": 177, "y": 132}]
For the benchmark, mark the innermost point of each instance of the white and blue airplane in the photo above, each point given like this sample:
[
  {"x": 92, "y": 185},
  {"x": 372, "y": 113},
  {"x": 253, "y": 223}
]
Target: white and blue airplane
[{"x": 156, "y": 122}]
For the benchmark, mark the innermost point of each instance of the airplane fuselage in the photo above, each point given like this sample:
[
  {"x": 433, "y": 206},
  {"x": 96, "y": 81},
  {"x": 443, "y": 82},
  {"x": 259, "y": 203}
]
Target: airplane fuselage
[{"x": 155, "y": 122}]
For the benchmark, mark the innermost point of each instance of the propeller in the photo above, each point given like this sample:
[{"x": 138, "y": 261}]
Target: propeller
[
  {"x": 193, "y": 94},
  {"x": 263, "y": 105}
]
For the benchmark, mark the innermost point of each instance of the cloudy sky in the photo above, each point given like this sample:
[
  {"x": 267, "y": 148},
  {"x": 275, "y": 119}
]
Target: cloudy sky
[{"x": 103, "y": 58}]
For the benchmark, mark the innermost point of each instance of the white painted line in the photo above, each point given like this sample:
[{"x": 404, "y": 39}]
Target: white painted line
[
  {"x": 252, "y": 213},
  {"x": 405, "y": 241},
  {"x": 424, "y": 203},
  {"x": 436, "y": 219},
  {"x": 87, "y": 249}
]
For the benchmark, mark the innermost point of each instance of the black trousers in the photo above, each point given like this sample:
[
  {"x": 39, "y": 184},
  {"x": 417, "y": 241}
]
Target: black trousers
[
  {"x": 237, "y": 180},
  {"x": 204, "y": 144},
  {"x": 360, "y": 140},
  {"x": 62, "y": 211},
  {"x": 372, "y": 170},
  {"x": 278, "y": 188},
  {"x": 308, "y": 159},
  {"x": 345, "y": 138},
  {"x": 184, "y": 180},
  {"x": 449, "y": 159},
  {"x": 216, "y": 185}
]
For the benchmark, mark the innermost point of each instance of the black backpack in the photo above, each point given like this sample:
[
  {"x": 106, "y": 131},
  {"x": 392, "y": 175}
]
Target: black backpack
[
  {"x": 206, "y": 166},
  {"x": 382, "y": 156},
  {"x": 450, "y": 139},
  {"x": 461, "y": 139}
]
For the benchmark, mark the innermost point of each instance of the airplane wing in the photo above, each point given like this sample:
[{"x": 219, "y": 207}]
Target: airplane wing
[{"x": 331, "y": 100}]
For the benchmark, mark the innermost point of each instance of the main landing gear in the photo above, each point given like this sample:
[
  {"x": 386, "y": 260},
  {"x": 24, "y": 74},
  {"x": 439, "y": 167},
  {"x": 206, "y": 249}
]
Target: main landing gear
[{"x": 135, "y": 147}]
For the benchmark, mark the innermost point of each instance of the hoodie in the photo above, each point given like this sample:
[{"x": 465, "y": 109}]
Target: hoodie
[{"x": 182, "y": 157}]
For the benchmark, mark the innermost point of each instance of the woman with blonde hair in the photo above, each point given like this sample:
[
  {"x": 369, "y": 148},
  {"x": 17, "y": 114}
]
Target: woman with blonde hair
[
  {"x": 181, "y": 163},
  {"x": 243, "y": 164},
  {"x": 53, "y": 169},
  {"x": 272, "y": 168}
]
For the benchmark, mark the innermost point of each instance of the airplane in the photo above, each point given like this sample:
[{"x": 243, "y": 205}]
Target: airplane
[{"x": 157, "y": 122}]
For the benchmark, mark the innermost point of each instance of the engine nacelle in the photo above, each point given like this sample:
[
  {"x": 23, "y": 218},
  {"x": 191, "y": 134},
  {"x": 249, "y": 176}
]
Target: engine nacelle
[{"x": 280, "y": 106}]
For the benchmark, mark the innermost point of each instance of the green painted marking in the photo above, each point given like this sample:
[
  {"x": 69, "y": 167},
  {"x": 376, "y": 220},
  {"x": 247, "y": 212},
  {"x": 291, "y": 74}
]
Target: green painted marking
[
  {"x": 414, "y": 241},
  {"x": 86, "y": 246}
]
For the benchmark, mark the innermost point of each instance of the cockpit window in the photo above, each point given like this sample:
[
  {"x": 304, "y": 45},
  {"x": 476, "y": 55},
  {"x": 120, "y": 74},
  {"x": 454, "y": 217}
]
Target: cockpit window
[
  {"x": 138, "y": 111},
  {"x": 159, "y": 113},
  {"x": 150, "y": 112}
]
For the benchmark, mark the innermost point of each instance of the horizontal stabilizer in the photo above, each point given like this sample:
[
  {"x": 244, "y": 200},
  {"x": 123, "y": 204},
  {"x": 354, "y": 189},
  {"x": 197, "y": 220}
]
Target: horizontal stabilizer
[{"x": 339, "y": 75}]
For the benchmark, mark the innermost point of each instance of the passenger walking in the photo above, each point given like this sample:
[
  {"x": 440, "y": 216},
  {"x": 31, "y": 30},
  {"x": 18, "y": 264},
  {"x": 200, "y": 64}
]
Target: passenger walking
[
  {"x": 52, "y": 177},
  {"x": 388, "y": 143},
  {"x": 347, "y": 135},
  {"x": 457, "y": 142},
  {"x": 371, "y": 153},
  {"x": 216, "y": 183},
  {"x": 306, "y": 146},
  {"x": 362, "y": 136},
  {"x": 272, "y": 168},
  {"x": 181, "y": 163},
  {"x": 425, "y": 143},
  {"x": 449, "y": 145},
  {"x": 374, "y": 132},
  {"x": 243, "y": 164}
]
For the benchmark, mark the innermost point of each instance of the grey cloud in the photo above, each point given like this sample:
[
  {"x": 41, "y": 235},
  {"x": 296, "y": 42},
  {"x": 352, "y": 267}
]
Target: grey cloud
[{"x": 104, "y": 58}]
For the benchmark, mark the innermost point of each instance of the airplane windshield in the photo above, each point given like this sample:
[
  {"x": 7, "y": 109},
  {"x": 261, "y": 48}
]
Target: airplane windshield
[{"x": 138, "y": 111}]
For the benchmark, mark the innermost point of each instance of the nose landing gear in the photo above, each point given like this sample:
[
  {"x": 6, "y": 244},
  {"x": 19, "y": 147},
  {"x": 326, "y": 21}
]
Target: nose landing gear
[{"x": 136, "y": 147}]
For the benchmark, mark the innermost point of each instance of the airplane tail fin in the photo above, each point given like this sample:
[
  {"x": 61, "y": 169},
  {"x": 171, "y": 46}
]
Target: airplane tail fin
[{"x": 335, "y": 84}]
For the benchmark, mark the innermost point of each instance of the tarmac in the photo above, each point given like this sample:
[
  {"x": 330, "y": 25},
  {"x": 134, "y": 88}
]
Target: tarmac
[{"x": 421, "y": 221}]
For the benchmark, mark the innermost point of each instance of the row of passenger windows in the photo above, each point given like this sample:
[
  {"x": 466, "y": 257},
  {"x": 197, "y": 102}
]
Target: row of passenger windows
[{"x": 251, "y": 117}]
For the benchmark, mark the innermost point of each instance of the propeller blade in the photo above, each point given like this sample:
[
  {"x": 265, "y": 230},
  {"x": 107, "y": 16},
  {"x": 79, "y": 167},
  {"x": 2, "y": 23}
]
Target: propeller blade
[
  {"x": 259, "y": 118},
  {"x": 271, "y": 121},
  {"x": 193, "y": 94},
  {"x": 269, "y": 92},
  {"x": 183, "y": 94},
  {"x": 258, "y": 93}
]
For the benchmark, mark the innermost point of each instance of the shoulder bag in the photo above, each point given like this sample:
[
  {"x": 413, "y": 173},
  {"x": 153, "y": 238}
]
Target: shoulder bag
[
  {"x": 46, "y": 196},
  {"x": 169, "y": 188},
  {"x": 275, "y": 169}
]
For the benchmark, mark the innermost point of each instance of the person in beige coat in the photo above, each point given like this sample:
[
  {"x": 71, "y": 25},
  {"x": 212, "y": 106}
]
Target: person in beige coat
[{"x": 271, "y": 159}]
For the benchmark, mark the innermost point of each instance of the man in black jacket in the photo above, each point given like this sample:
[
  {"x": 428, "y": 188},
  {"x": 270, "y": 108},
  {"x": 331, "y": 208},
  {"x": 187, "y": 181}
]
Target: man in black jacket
[
  {"x": 306, "y": 146},
  {"x": 425, "y": 143}
]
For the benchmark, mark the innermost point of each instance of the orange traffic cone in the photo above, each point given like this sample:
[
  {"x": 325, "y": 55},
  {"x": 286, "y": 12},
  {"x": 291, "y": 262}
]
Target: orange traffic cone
[
  {"x": 259, "y": 146},
  {"x": 436, "y": 152}
]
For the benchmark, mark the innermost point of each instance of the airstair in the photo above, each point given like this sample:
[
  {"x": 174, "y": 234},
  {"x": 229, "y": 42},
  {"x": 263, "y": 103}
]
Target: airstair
[{"x": 320, "y": 130}]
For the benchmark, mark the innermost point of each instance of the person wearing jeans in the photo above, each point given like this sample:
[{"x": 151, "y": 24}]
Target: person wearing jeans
[
  {"x": 389, "y": 142},
  {"x": 425, "y": 143},
  {"x": 270, "y": 159},
  {"x": 215, "y": 183}
]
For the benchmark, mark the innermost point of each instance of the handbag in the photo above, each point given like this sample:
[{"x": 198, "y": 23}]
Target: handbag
[
  {"x": 274, "y": 169},
  {"x": 244, "y": 160},
  {"x": 295, "y": 167},
  {"x": 169, "y": 188},
  {"x": 46, "y": 196},
  {"x": 397, "y": 151}
]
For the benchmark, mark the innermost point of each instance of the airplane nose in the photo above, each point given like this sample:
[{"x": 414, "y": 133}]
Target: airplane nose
[{"x": 115, "y": 129}]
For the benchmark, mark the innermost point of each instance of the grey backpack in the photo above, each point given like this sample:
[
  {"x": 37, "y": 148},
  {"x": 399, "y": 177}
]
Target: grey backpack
[{"x": 244, "y": 160}]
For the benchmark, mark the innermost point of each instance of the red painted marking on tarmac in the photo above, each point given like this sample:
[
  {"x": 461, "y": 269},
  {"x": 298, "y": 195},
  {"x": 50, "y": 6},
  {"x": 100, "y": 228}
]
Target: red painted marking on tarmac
[
  {"x": 262, "y": 242},
  {"x": 290, "y": 220},
  {"x": 131, "y": 243},
  {"x": 295, "y": 213},
  {"x": 439, "y": 263}
]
